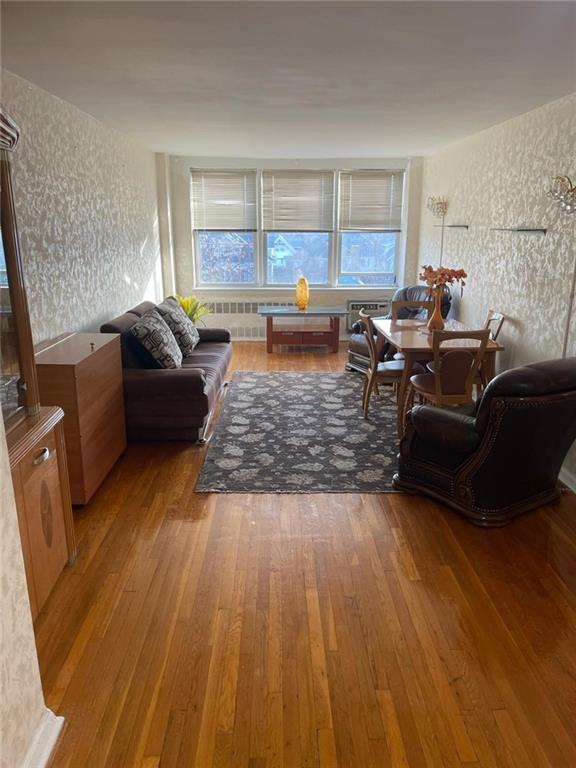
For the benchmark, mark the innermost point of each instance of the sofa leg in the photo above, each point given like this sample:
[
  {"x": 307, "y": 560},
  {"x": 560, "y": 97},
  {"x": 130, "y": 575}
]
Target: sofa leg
[{"x": 205, "y": 434}]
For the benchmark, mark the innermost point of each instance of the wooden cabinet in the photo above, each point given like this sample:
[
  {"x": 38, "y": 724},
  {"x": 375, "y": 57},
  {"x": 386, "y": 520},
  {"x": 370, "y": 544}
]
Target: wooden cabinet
[
  {"x": 38, "y": 464},
  {"x": 82, "y": 373}
]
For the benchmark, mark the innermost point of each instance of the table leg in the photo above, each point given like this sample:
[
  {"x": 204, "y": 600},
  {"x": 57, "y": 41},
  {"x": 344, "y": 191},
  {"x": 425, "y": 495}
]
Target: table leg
[
  {"x": 335, "y": 324},
  {"x": 269, "y": 345},
  {"x": 409, "y": 361}
]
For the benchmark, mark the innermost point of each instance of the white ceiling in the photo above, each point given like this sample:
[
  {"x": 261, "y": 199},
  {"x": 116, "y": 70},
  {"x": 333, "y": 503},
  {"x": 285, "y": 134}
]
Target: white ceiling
[{"x": 306, "y": 79}]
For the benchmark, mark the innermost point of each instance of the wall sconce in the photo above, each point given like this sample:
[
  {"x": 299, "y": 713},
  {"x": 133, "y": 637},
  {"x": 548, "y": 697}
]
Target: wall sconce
[
  {"x": 439, "y": 207},
  {"x": 563, "y": 192}
]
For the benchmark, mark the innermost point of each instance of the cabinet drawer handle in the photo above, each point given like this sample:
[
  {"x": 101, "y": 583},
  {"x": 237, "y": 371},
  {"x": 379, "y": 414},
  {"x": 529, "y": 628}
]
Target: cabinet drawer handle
[{"x": 43, "y": 456}]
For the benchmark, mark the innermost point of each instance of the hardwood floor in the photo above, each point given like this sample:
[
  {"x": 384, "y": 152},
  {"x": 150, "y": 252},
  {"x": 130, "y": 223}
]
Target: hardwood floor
[{"x": 325, "y": 630}]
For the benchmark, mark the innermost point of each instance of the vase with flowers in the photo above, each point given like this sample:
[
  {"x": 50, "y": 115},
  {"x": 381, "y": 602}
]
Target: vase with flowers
[{"x": 436, "y": 279}]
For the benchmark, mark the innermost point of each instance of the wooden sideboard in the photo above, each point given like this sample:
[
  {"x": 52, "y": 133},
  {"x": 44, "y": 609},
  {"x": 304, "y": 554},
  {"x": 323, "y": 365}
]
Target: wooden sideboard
[
  {"x": 82, "y": 373},
  {"x": 40, "y": 478}
]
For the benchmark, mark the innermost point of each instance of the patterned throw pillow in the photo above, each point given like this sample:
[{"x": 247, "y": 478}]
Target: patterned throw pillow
[
  {"x": 180, "y": 324},
  {"x": 157, "y": 339}
]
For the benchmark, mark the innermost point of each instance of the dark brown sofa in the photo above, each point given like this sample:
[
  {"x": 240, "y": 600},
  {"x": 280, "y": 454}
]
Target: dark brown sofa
[
  {"x": 170, "y": 404},
  {"x": 505, "y": 457}
]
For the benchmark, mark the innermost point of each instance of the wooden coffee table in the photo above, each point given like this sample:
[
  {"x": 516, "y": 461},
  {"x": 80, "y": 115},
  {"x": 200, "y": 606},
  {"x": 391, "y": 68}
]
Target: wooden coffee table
[{"x": 304, "y": 334}]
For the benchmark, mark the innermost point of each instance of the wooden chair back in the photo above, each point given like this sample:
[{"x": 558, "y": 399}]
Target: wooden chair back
[
  {"x": 368, "y": 329},
  {"x": 494, "y": 322},
  {"x": 427, "y": 304},
  {"x": 456, "y": 369}
]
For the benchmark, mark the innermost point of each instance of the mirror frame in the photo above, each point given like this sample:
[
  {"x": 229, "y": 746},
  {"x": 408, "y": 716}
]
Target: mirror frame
[{"x": 28, "y": 392}]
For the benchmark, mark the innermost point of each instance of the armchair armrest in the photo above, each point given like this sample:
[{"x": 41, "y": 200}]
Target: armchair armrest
[
  {"x": 140, "y": 383},
  {"x": 451, "y": 430},
  {"x": 357, "y": 326},
  {"x": 214, "y": 334}
]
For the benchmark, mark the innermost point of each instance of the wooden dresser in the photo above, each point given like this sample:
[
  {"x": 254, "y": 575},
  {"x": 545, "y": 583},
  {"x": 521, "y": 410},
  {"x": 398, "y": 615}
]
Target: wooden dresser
[
  {"x": 39, "y": 475},
  {"x": 82, "y": 373}
]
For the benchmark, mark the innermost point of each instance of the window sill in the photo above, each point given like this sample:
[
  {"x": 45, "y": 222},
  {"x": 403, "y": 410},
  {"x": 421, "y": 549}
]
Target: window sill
[{"x": 292, "y": 288}]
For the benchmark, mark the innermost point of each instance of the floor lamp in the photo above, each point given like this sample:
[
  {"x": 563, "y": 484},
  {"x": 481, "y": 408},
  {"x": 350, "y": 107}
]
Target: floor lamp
[
  {"x": 563, "y": 192},
  {"x": 439, "y": 207}
]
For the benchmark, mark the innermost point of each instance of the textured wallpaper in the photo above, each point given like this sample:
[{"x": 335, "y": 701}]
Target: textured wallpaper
[
  {"x": 21, "y": 700},
  {"x": 87, "y": 213},
  {"x": 499, "y": 178}
]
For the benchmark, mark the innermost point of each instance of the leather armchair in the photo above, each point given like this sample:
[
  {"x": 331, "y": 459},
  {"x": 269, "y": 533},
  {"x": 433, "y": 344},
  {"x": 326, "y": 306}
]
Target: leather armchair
[
  {"x": 501, "y": 457},
  {"x": 358, "y": 355}
]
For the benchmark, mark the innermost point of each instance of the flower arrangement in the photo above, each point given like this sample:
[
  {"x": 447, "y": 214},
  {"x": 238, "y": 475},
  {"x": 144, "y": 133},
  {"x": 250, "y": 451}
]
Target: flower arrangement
[
  {"x": 436, "y": 279},
  {"x": 194, "y": 308},
  {"x": 441, "y": 276}
]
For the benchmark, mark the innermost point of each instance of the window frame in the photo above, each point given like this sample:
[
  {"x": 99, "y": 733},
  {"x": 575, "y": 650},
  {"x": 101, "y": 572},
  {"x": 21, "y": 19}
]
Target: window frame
[{"x": 335, "y": 239}]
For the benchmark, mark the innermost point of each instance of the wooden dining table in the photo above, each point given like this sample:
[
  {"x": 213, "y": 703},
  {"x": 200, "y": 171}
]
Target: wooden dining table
[{"x": 411, "y": 338}]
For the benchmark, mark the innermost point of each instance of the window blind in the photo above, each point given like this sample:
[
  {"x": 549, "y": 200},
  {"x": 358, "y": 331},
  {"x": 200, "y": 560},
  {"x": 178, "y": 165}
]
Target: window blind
[
  {"x": 224, "y": 200},
  {"x": 301, "y": 201},
  {"x": 371, "y": 200}
]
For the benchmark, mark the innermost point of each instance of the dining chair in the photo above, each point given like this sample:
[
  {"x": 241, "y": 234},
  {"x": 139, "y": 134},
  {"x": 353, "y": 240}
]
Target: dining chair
[
  {"x": 451, "y": 380},
  {"x": 493, "y": 322},
  {"x": 387, "y": 372}
]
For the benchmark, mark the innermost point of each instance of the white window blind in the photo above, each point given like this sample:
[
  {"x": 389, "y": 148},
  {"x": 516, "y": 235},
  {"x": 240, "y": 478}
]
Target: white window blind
[
  {"x": 300, "y": 201},
  {"x": 224, "y": 200},
  {"x": 371, "y": 200}
]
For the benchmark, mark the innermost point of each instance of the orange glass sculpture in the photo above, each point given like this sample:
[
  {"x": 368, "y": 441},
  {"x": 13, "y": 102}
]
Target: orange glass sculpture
[{"x": 302, "y": 294}]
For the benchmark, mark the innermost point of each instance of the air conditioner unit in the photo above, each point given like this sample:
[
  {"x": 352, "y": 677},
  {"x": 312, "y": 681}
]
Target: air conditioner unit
[{"x": 374, "y": 309}]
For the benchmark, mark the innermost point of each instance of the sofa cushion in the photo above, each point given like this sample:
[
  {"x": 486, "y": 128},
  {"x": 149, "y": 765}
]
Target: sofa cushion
[
  {"x": 213, "y": 359},
  {"x": 142, "y": 308},
  {"x": 180, "y": 324},
  {"x": 133, "y": 353},
  {"x": 156, "y": 337}
]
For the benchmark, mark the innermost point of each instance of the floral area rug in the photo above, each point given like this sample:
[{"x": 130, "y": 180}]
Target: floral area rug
[{"x": 285, "y": 432}]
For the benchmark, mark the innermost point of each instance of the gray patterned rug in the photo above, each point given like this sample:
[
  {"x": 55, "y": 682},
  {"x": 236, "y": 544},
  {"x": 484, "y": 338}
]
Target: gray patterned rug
[{"x": 285, "y": 432}]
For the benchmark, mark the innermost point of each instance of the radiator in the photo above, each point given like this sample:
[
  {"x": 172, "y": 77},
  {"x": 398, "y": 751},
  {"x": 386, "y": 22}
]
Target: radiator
[{"x": 241, "y": 317}]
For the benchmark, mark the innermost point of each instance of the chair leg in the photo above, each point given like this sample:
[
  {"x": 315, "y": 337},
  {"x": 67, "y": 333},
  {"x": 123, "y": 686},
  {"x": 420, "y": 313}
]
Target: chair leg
[
  {"x": 364, "y": 389},
  {"x": 371, "y": 382},
  {"x": 409, "y": 402},
  {"x": 483, "y": 383},
  {"x": 376, "y": 388}
]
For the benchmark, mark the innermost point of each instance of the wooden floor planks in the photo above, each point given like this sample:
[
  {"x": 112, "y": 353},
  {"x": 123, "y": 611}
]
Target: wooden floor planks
[{"x": 323, "y": 631}]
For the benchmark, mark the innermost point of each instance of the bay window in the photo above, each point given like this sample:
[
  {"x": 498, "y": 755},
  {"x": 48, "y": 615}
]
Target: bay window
[{"x": 266, "y": 228}]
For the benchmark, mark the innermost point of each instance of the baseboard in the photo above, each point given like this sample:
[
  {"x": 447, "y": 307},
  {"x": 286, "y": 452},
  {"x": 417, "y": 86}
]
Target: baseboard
[
  {"x": 44, "y": 740},
  {"x": 568, "y": 478}
]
